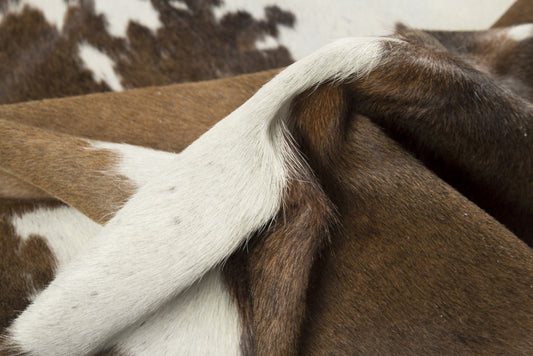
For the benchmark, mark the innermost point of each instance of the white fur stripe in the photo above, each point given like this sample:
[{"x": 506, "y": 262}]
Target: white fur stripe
[
  {"x": 203, "y": 320},
  {"x": 188, "y": 218},
  {"x": 520, "y": 32}
]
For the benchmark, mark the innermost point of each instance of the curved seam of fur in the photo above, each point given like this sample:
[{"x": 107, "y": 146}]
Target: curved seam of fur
[{"x": 164, "y": 239}]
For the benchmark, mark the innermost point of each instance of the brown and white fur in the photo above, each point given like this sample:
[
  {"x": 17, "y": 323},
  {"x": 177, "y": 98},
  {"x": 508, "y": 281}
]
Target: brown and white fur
[
  {"x": 59, "y": 48},
  {"x": 350, "y": 191}
]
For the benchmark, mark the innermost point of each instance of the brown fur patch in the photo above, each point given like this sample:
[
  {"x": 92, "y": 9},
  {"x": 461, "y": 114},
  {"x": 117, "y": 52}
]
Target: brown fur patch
[
  {"x": 66, "y": 167},
  {"x": 280, "y": 266},
  {"x": 13, "y": 188},
  {"x": 411, "y": 292},
  {"x": 454, "y": 117},
  {"x": 165, "y": 118},
  {"x": 417, "y": 268},
  {"x": 25, "y": 267},
  {"x": 414, "y": 267},
  {"x": 493, "y": 52}
]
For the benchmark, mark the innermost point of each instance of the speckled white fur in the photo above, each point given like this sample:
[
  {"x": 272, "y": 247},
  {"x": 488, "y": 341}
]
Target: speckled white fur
[
  {"x": 203, "y": 320},
  {"x": 190, "y": 216}
]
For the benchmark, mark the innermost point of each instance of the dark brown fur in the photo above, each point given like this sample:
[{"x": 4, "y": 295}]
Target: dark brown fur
[
  {"x": 416, "y": 268},
  {"x": 299, "y": 232},
  {"x": 25, "y": 268},
  {"x": 411, "y": 293},
  {"x": 413, "y": 267},
  {"x": 43, "y": 62},
  {"x": 454, "y": 117},
  {"x": 493, "y": 52}
]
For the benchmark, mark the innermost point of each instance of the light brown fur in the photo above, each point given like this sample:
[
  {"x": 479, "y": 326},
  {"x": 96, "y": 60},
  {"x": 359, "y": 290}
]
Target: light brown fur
[
  {"x": 520, "y": 12},
  {"x": 66, "y": 167}
]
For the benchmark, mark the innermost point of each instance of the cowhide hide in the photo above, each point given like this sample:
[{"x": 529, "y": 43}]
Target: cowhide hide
[
  {"x": 59, "y": 48},
  {"x": 126, "y": 54}
]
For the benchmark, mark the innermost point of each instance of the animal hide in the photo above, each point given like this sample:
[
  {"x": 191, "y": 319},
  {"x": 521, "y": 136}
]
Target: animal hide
[{"x": 373, "y": 197}]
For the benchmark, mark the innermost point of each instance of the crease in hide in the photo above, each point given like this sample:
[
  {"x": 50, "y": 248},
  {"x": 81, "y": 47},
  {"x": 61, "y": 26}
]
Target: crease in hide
[{"x": 190, "y": 216}]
